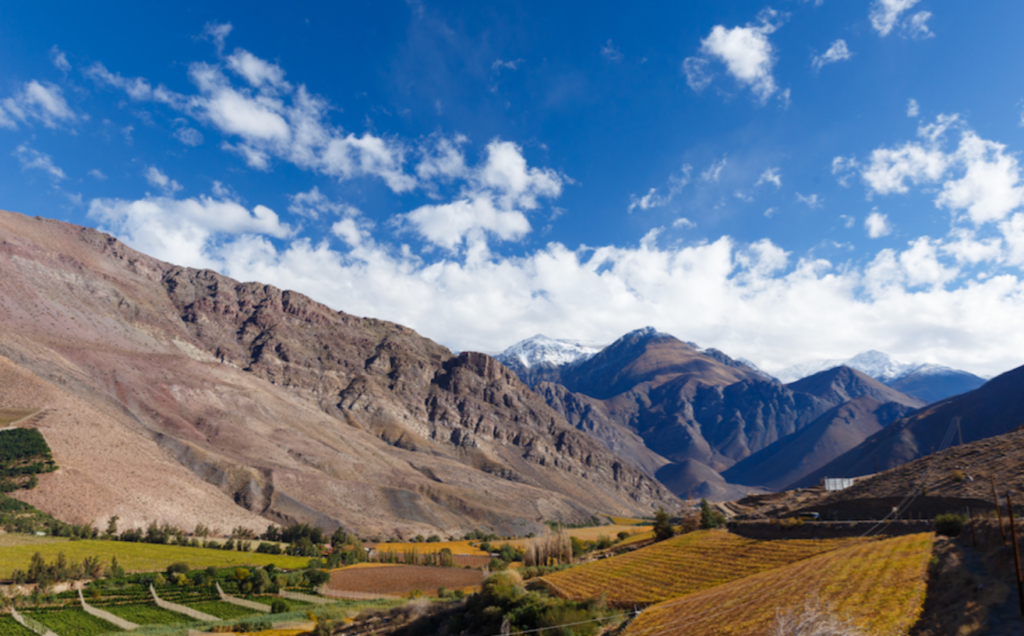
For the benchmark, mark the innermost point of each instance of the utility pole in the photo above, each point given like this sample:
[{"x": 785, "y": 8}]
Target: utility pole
[{"x": 1016, "y": 552}]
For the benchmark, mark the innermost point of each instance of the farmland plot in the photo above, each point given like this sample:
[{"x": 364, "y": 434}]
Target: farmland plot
[
  {"x": 222, "y": 610},
  {"x": 11, "y": 627},
  {"x": 880, "y": 585},
  {"x": 146, "y": 614},
  {"x": 403, "y": 579},
  {"x": 681, "y": 565},
  {"x": 72, "y": 622}
]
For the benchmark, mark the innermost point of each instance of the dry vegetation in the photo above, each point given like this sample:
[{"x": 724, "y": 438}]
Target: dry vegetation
[
  {"x": 877, "y": 585},
  {"x": 403, "y": 579},
  {"x": 682, "y": 565}
]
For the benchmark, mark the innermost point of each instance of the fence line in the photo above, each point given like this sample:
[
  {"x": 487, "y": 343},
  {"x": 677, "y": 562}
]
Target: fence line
[
  {"x": 181, "y": 609},
  {"x": 107, "y": 616},
  {"x": 241, "y": 602}
]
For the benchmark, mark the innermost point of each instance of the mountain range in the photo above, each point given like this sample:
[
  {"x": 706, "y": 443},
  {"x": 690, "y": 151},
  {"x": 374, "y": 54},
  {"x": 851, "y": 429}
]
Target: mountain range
[
  {"x": 183, "y": 396},
  {"x": 929, "y": 382}
]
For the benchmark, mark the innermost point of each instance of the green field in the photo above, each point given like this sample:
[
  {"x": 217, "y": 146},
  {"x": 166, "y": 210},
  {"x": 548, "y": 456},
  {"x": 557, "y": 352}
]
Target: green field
[
  {"x": 139, "y": 557},
  {"x": 146, "y": 614},
  {"x": 222, "y": 610},
  {"x": 11, "y": 627},
  {"x": 73, "y": 622}
]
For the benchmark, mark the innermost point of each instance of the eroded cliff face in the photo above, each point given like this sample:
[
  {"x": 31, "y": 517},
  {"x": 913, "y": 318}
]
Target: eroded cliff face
[{"x": 260, "y": 401}]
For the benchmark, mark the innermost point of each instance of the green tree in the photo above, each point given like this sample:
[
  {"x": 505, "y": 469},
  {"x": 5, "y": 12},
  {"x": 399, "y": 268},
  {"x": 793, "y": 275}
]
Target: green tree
[
  {"x": 710, "y": 518},
  {"x": 663, "y": 528}
]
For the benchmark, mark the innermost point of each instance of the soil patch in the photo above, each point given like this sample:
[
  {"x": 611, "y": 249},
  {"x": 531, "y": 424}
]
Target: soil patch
[{"x": 403, "y": 579}]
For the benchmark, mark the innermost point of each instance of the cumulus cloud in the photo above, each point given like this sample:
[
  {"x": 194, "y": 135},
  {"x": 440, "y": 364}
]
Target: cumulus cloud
[
  {"x": 32, "y": 159},
  {"x": 36, "y": 101},
  {"x": 838, "y": 52},
  {"x": 268, "y": 118},
  {"x": 885, "y": 15},
  {"x": 156, "y": 178},
  {"x": 655, "y": 199},
  {"x": 913, "y": 109},
  {"x": 494, "y": 202},
  {"x": 877, "y": 225},
  {"x": 771, "y": 175},
  {"x": 745, "y": 51},
  {"x": 187, "y": 231}
]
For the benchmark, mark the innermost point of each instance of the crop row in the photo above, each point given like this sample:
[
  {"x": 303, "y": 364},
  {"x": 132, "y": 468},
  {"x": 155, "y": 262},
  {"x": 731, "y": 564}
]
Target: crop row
[
  {"x": 682, "y": 565},
  {"x": 72, "y": 622},
  {"x": 880, "y": 585},
  {"x": 148, "y": 614},
  {"x": 11, "y": 627},
  {"x": 224, "y": 611}
]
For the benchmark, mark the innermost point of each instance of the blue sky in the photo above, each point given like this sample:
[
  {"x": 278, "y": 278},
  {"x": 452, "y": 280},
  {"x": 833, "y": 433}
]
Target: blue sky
[{"x": 784, "y": 181}]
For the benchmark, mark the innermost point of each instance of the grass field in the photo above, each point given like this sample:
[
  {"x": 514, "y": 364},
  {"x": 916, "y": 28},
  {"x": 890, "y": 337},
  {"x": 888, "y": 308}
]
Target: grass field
[
  {"x": 628, "y": 521},
  {"x": 681, "y": 565},
  {"x": 73, "y": 622},
  {"x": 138, "y": 557},
  {"x": 880, "y": 585},
  {"x": 146, "y": 614},
  {"x": 11, "y": 627}
]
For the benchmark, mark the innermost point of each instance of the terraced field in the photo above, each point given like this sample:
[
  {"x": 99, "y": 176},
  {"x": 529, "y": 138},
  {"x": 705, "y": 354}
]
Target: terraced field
[
  {"x": 139, "y": 557},
  {"x": 682, "y": 565},
  {"x": 11, "y": 627},
  {"x": 147, "y": 614},
  {"x": 222, "y": 610},
  {"x": 72, "y": 622},
  {"x": 879, "y": 584}
]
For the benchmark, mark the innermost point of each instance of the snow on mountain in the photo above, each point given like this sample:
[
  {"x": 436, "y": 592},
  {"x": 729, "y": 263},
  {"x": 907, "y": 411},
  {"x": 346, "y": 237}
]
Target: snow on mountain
[
  {"x": 541, "y": 350},
  {"x": 878, "y": 365},
  {"x": 806, "y": 369}
]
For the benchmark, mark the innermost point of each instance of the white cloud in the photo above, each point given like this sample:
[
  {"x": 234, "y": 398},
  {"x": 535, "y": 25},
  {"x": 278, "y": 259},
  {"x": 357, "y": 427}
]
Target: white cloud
[
  {"x": 813, "y": 201},
  {"x": 676, "y": 182},
  {"x": 848, "y": 221},
  {"x": 217, "y": 33},
  {"x": 770, "y": 212},
  {"x": 512, "y": 65},
  {"x": 42, "y": 102},
  {"x": 610, "y": 53},
  {"x": 886, "y": 15},
  {"x": 189, "y": 136},
  {"x": 842, "y": 168},
  {"x": 493, "y": 203},
  {"x": 97, "y": 174},
  {"x": 838, "y": 52},
  {"x": 186, "y": 232},
  {"x": 442, "y": 158},
  {"x": 877, "y": 224},
  {"x": 746, "y": 52},
  {"x": 771, "y": 175},
  {"x": 314, "y": 203},
  {"x": 136, "y": 88},
  {"x": 59, "y": 59},
  {"x": 156, "y": 178},
  {"x": 979, "y": 177},
  {"x": 259, "y": 73},
  {"x": 714, "y": 171},
  {"x": 684, "y": 223},
  {"x": 917, "y": 26},
  {"x": 35, "y": 160},
  {"x": 913, "y": 109}
]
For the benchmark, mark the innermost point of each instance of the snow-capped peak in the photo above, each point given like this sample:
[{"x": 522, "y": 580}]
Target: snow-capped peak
[
  {"x": 540, "y": 349},
  {"x": 880, "y": 366}
]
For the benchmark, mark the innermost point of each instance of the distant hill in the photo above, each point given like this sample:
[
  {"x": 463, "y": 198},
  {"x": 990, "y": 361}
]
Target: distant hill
[
  {"x": 540, "y": 359},
  {"x": 993, "y": 409}
]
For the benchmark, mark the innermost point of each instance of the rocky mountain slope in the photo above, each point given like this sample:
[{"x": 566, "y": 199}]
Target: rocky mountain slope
[
  {"x": 663, "y": 404},
  {"x": 993, "y": 409},
  {"x": 184, "y": 396},
  {"x": 928, "y": 382}
]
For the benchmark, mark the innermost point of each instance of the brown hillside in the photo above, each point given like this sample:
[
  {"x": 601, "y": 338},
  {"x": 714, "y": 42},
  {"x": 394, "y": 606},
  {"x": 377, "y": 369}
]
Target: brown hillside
[{"x": 258, "y": 402}]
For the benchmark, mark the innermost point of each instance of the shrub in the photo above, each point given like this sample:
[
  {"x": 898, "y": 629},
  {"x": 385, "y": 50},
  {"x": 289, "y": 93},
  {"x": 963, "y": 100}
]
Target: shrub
[
  {"x": 175, "y": 568},
  {"x": 280, "y": 606},
  {"x": 663, "y": 524},
  {"x": 710, "y": 518},
  {"x": 950, "y": 523},
  {"x": 958, "y": 475}
]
